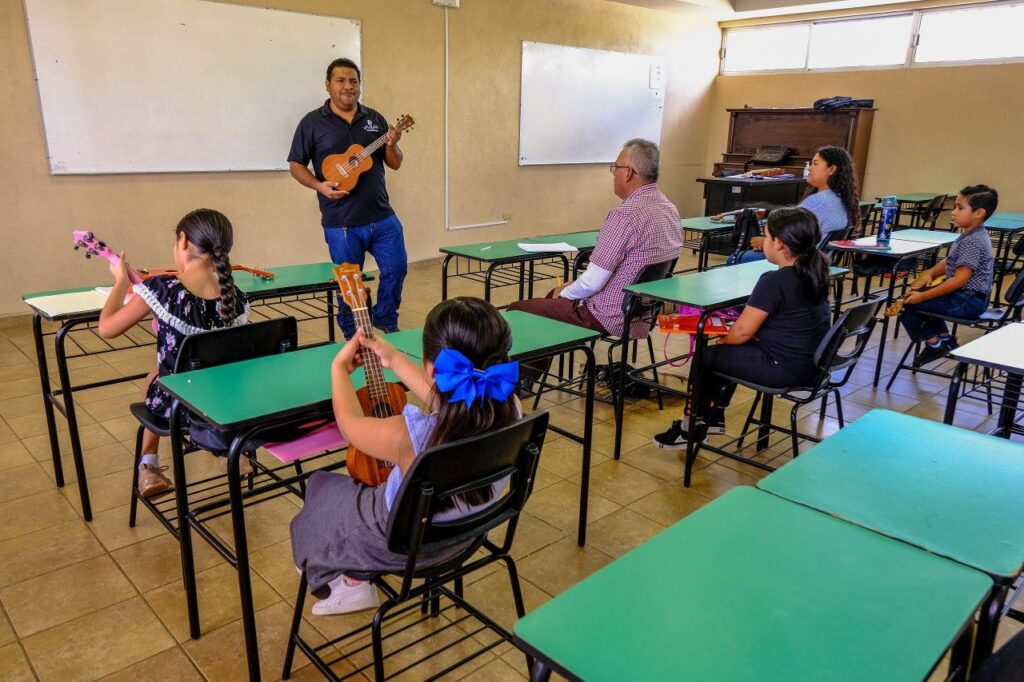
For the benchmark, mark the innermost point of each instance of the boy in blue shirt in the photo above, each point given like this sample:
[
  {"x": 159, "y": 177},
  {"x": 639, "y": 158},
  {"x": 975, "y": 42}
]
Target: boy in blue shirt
[{"x": 968, "y": 269}]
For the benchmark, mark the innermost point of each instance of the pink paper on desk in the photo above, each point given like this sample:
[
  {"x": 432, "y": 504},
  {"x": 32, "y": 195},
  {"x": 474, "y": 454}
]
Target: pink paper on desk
[{"x": 327, "y": 437}]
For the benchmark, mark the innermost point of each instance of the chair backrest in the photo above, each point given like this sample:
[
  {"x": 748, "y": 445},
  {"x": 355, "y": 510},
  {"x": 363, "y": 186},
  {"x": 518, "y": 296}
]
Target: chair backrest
[
  {"x": 834, "y": 235},
  {"x": 845, "y": 342},
  {"x": 470, "y": 464},
  {"x": 634, "y": 307},
  {"x": 231, "y": 344},
  {"x": 1014, "y": 297},
  {"x": 930, "y": 213}
]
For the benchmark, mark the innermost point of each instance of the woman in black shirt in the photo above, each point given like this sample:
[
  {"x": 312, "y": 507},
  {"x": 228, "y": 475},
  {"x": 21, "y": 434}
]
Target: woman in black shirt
[{"x": 773, "y": 341}]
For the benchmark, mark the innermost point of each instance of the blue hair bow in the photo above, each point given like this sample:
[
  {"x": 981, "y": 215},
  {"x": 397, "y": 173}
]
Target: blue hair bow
[{"x": 454, "y": 372}]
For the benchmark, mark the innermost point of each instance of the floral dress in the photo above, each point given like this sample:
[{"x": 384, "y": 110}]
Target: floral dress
[{"x": 179, "y": 313}]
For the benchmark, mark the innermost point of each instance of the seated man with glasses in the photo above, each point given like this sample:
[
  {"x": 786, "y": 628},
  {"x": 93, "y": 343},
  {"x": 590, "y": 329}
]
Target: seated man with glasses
[{"x": 642, "y": 230}]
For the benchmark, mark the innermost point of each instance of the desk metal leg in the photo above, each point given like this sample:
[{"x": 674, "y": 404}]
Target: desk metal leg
[
  {"x": 48, "y": 397},
  {"x": 588, "y": 437},
  {"x": 69, "y": 412},
  {"x": 1008, "y": 410},
  {"x": 954, "y": 391},
  {"x": 252, "y": 651},
  {"x": 188, "y": 566},
  {"x": 522, "y": 278},
  {"x": 764, "y": 429},
  {"x": 331, "y": 322},
  {"x": 693, "y": 387},
  {"x": 444, "y": 276},
  {"x": 487, "y": 282},
  {"x": 885, "y": 323},
  {"x": 988, "y": 623},
  {"x": 539, "y": 672}
]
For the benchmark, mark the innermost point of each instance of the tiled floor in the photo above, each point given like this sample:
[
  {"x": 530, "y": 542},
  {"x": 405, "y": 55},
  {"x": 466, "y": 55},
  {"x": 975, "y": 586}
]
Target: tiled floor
[{"x": 91, "y": 600}]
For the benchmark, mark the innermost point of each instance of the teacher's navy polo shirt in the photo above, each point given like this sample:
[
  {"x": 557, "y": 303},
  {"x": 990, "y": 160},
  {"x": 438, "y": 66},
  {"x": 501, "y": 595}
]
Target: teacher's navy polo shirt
[{"x": 321, "y": 133}]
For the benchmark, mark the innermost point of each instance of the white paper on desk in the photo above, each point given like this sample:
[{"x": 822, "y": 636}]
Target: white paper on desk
[
  {"x": 546, "y": 247},
  {"x": 64, "y": 304},
  {"x": 105, "y": 293}
]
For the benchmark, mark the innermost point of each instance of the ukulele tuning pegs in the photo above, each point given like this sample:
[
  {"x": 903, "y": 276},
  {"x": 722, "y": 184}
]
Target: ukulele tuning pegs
[
  {"x": 102, "y": 245},
  {"x": 77, "y": 246}
]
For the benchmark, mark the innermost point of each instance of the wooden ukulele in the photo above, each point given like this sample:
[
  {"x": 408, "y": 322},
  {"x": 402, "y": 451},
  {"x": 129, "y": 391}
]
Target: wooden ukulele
[
  {"x": 94, "y": 247},
  {"x": 896, "y": 307},
  {"x": 345, "y": 169},
  {"x": 378, "y": 398}
]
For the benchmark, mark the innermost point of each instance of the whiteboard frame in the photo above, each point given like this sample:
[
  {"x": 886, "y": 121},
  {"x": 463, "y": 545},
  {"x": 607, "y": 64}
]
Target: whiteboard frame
[
  {"x": 600, "y": 131},
  {"x": 50, "y": 114}
]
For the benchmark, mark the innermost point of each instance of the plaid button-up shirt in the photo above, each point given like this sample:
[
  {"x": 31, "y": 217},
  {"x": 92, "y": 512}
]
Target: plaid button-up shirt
[{"x": 642, "y": 230}]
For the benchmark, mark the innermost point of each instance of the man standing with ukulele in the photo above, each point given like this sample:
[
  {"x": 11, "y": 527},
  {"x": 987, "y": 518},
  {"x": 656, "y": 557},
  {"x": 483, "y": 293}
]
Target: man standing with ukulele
[{"x": 361, "y": 219}]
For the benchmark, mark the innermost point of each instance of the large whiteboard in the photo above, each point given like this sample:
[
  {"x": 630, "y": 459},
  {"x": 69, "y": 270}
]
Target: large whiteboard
[
  {"x": 139, "y": 86},
  {"x": 579, "y": 105}
]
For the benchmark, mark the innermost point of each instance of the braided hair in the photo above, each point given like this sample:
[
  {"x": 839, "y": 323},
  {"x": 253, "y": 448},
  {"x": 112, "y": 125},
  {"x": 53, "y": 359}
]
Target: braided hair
[
  {"x": 843, "y": 182},
  {"x": 210, "y": 232},
  {"x": 798, "y": 229}
]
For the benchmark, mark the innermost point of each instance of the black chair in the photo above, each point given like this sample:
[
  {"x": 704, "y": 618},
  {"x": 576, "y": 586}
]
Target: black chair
[
  {"x": 990, "y": 320},
  {"x": 209, "y": 349},
  {"x": 927, "y": 216},
  {"x": 511, "y": 452},
  {"x": 633, "y": 308},
  {"x": 835, "y": 358}
]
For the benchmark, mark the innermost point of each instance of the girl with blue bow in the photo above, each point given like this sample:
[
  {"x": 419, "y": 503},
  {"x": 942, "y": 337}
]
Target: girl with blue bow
[{"x": 466, "y": 385}]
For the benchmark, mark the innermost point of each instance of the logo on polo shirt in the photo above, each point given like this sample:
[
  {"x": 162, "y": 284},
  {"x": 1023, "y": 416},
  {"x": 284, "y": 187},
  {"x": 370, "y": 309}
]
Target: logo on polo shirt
[{"x": 371, "y": 126}]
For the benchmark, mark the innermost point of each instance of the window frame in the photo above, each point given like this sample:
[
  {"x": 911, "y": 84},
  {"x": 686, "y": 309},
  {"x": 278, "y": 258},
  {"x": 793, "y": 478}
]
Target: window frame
[{"x": 911, "y": 51}]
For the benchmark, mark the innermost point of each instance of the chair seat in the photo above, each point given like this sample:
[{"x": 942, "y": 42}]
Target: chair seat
[
  {"x": 992, "y": 315},
  {"x": 770, "y": 390},
  {"x": 152, "y": 422}
]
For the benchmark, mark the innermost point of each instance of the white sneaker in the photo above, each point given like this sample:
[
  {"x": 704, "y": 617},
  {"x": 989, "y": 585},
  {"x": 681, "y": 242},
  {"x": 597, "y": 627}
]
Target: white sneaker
[{"x": 345, "y": 598}]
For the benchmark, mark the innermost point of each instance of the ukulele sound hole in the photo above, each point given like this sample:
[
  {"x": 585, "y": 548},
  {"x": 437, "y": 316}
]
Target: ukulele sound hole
[{"x": 353, "y": 161}]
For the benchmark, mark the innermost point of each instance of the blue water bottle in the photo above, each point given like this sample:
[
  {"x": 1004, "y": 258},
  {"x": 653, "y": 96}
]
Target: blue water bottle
[{"x": 889, "y": 205}]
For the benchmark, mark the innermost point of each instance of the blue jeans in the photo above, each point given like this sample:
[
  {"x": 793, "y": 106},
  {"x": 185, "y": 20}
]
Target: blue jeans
[
  {"x": 959, "y": 303},
  {"x": 748, "y": 256},
  {"x": 385, "y": 242}
]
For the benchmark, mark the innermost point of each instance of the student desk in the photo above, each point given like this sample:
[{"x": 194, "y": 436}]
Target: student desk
[
  {"x": 914, "y": 202},
  {"x": 248, "y": 397},
  {"x": 1005, "y": 226},
  {"x": 535, "y": 337},
  {"x": 753, "y": 587},
  {"x": 300, "y": 284},
  {"x": 260, "y": 394},
  {"x": 711, "y": 291},
  {"x": 939, "y": 237},
  {"x": 706, "y": 228},
  {"x": 900, "y": 250},
  {"x": 999, "y": 350},
  {"x": 952, "y": 492},
  {"x": 497, "y": 255}
]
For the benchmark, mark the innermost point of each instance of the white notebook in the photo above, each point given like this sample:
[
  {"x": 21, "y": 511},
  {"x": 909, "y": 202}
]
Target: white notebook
[{"x": 546, "y": 247}]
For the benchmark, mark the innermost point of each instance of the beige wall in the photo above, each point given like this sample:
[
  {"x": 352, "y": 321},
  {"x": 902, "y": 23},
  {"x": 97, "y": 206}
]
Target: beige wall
[
  {"x": 936, "y": 129},
  {"x": 277, "y": 221}
]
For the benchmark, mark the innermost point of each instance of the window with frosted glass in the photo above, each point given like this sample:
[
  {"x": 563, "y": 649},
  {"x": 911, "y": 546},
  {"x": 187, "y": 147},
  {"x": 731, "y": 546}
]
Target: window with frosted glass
[
  {"x": 766, "y": 48},
  {"x": 880, "y": 41},
  {"x": 993, "y": 32}
]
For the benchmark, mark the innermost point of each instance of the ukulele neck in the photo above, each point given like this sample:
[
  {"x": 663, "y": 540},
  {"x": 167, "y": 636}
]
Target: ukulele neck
[{"x": 375, "y": 383}]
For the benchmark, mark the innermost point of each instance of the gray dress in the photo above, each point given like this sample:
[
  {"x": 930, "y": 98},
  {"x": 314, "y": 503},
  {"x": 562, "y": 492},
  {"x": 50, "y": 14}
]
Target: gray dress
[{"x": 342, "y": 527}]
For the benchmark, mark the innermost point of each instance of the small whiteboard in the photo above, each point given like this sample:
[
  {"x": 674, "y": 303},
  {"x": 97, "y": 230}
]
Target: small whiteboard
[
  {"x": 154, "y": 86},
  {"x": 579, "y": 105}
]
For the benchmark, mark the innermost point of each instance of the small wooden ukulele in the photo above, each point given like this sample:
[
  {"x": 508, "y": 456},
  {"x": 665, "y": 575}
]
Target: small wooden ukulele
[
  {"x": 345, "y": 169},
  {"x": 896, "y": 307},
  {"x": 94, "y": 247},
  {"x": 378, "y": 398}
]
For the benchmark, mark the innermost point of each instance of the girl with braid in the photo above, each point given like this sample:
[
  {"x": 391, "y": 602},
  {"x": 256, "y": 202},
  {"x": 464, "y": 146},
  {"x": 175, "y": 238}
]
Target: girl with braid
[{"x": 201, "y": 296}]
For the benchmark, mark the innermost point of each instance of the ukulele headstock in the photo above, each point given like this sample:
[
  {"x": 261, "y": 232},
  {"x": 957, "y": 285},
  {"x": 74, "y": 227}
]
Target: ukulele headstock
[
  {"x": 350, "y": 282},
  {"x": 404, "y": 123},
  {"x": 88, "y": 241}
]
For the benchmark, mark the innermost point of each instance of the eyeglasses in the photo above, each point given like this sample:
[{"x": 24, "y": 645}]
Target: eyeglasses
[{"x": 612, "y": 167}]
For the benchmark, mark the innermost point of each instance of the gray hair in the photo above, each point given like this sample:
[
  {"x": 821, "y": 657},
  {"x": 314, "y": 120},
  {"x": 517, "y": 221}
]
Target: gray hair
[{"x": 644, "y": 156}]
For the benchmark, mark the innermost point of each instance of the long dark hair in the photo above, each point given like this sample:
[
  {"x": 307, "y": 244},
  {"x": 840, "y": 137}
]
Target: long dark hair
[
  {"x": 474, "y": 328},
  {"x": 843, "y": 182},
  {"x": 210, "y": 231},
  {"x": 798, "y": 229}
]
